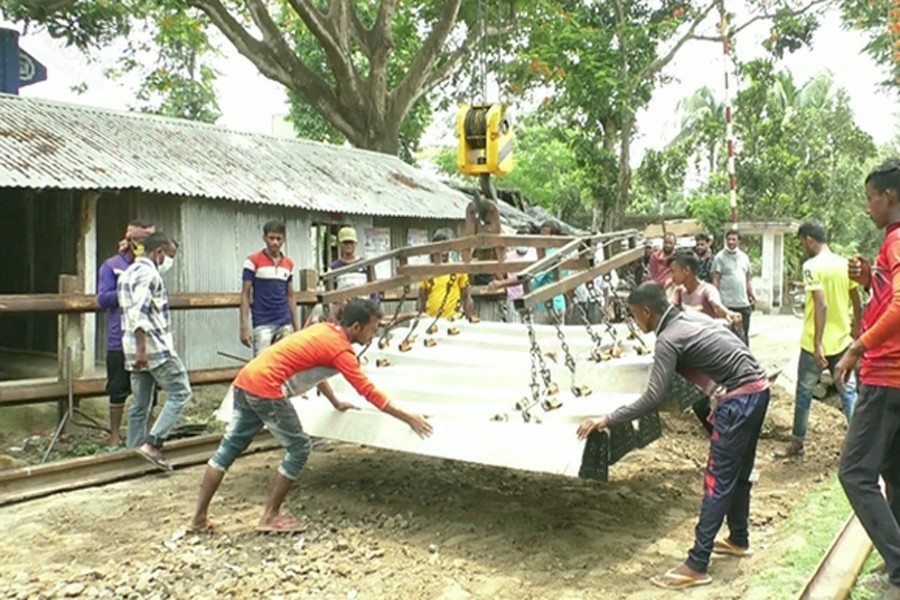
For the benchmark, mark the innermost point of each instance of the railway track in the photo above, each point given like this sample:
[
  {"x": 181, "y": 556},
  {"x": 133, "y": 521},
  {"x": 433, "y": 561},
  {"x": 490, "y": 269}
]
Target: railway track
[
  {"x": 29, "y": 483},
  {"x": 836, "y": 574}
]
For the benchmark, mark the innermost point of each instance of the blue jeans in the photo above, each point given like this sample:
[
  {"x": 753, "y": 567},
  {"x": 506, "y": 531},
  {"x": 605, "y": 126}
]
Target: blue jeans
[
  {"x": 172, "y": 378},
  {"x": 249, "y": 415},
  {"x": 808, "y": 374},
  {"x": 264, "y": 335}
]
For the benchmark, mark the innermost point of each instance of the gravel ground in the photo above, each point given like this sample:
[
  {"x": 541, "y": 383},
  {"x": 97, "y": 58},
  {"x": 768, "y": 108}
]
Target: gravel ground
[{"x": 390, "y": 525}]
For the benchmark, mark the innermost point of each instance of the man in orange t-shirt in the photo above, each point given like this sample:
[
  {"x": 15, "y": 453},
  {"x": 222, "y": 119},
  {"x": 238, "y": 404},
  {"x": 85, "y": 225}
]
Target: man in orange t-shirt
[
  {"x": 306, "y": 358},
  {"x": 872, "y": 446}
]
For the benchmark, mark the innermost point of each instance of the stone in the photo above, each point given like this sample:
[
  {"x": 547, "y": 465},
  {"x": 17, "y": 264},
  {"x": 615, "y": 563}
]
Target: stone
[{"x": 73, "y": 589}]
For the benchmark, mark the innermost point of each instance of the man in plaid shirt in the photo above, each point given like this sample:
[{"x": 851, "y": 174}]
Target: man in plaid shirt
[{"x": 149, "y": 350}]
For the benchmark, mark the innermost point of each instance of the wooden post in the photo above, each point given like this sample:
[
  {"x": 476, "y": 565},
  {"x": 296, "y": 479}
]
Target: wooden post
[
  {"x": 308, "y": 280},
  {"x": 28, "y": 196},
  {"x": 87, "y": 275},
  {"x": 69, "y": 338}
]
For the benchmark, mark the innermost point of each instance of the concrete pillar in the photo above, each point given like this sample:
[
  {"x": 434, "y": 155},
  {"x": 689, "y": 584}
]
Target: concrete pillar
[
  {"x": 764, "y": 295},
  {"x": 778, "y": 272}
]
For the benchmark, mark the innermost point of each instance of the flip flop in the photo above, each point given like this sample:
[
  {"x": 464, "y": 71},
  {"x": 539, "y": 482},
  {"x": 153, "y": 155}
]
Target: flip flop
[
  {"x": 208, "y": 528},
  {"x": 726, "y": 547},
  {"x": 157, "y": 461},
  {"x": 670, "y": 580},
  {"x": 286, "y": 525}
]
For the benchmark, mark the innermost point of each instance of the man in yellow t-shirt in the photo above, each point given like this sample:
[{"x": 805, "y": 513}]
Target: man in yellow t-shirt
[
  {"x": 454, "y": 287},
  {"x": 828, "y": 329}
]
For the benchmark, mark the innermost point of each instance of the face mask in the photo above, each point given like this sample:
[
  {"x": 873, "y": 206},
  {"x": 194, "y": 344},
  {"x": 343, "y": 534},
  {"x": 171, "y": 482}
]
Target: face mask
[{"x": 166, "y": 265}]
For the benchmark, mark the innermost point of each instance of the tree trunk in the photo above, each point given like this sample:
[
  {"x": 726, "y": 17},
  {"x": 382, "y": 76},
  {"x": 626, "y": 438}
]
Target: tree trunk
[
  {"x": 601, "y": 210},
  {"x": 384, "y": 139},
  {"x": 623, "y": 197}
]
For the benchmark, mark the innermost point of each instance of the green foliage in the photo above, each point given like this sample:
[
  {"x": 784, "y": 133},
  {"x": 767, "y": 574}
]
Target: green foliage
[
  {"x": 310, "y": 123},
  {"x": 879, "y": 21},
  {"x": 800, "y": 155},
  {"x": 165, "y": 44},
  {"x": 790, "y": 32},
  {"x": 659, "y": 181},
  {"x": 359, "y": 70},
  {"x": 712, "y": 210}
]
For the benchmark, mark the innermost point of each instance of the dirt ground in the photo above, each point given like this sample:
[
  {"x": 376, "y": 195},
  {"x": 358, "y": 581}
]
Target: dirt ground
[{"x": 390, "y": 525}]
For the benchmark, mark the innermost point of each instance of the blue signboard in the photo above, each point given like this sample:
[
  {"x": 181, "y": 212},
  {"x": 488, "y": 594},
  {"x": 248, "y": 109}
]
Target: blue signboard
[{"x": 17, "y": 67}]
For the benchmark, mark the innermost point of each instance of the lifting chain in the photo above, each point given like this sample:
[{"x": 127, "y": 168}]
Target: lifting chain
[
  {"x": 633, "y": 331},
  {"x": 595, "y": 296},
  {"x": 384, "y": 340},
  {"x": 557, "y": 319},
  {"x": 538, "y": 369},
  {"x": 432, "y": 329}
]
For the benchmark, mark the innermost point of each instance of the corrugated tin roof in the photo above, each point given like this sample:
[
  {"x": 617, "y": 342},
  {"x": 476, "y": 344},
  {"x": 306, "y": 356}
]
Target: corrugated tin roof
[{"x": 47, "y": 144}]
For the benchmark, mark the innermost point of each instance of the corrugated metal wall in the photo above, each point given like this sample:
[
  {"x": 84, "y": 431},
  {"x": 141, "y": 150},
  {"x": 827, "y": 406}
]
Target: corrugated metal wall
[{"x": 38, "y": 242}]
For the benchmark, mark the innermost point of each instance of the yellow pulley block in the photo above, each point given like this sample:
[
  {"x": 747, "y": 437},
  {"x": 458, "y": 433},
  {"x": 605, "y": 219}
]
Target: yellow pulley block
[{"x": 485, "y": 140}]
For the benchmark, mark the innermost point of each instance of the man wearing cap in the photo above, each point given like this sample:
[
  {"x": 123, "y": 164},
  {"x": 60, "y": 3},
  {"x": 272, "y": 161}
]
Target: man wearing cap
[
  {"x": 118, "y": 381},
  {"x": 347, "y": 242}
]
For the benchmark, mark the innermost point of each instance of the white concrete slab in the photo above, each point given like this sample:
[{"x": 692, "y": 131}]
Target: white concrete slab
[{"x": 466, "y": 380}]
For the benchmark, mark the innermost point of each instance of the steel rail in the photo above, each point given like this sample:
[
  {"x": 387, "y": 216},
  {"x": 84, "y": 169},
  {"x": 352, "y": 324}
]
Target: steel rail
[
  {"x": 30, "y": 483},
  {"x": 836, "y": 573}
]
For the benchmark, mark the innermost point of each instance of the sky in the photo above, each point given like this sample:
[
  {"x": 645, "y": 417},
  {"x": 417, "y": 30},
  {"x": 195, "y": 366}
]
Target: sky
[{"x": 250, "y": 102}]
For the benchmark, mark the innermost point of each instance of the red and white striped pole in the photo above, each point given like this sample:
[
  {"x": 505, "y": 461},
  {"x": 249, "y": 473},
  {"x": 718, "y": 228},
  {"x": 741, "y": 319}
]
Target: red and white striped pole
[{"x": 729, "y": 129}]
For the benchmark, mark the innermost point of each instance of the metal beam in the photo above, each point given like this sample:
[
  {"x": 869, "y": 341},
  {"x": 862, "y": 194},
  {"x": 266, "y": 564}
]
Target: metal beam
[
  {"x": 420, "y": 272},
  {"x": 549, "y": 262},
  {"x": 554, "y": 260},
  {"x": 365, "y": 289},
  {"x": 549, "y": 291},
  {"x": 422, "y": 249}
]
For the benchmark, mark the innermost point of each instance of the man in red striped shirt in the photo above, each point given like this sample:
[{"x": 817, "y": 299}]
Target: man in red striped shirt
[
  {"x": 306, "y": 358},
  {"x": 872, "y": 446}
]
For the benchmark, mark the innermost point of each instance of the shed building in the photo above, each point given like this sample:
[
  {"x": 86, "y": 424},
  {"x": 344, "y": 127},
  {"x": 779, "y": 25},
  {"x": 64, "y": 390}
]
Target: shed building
[{"x": 71, "y": 177}]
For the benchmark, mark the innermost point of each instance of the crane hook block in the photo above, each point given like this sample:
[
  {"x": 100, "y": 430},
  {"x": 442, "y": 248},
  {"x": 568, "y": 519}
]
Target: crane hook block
[{"x": 485, "y": 140}]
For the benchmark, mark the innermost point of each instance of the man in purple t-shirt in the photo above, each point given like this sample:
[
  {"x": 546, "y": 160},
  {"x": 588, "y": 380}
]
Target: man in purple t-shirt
[{"x": 118, "y": 381}]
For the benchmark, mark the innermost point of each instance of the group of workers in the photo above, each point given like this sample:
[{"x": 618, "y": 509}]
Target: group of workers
[{"x": 678, "y": 305}]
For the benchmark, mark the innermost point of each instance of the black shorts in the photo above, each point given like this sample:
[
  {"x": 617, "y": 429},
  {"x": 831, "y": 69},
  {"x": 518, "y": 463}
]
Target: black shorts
[{"x": 118, "y": 380}]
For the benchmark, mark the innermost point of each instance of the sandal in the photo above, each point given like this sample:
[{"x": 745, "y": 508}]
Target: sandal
[
  {"x": 726, "y": 547},
  {"x": 283, "y": 525},
  {"x": 208, "y": 528},
  {"x": 671, "y": 580},
  {"x": 157, "y": 461}
]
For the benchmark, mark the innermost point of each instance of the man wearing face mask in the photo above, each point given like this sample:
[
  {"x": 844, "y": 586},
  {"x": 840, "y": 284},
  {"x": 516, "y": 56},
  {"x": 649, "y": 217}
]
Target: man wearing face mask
[
  {"x": 118, "y": 382},
  {"x": 149, "y": 348},
  {"x": 711, "y": 356},
  {"x": 732, "y": 275}
]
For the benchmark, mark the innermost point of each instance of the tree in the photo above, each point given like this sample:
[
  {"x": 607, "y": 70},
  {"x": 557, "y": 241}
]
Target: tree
[
  {"x": 703, "y": 123},
  {"x": 623, "y": 48},
  {"x": 800, "y": 155},
  {"x": 880, "y": 22},
  {"x": 375, "y": 62}
]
